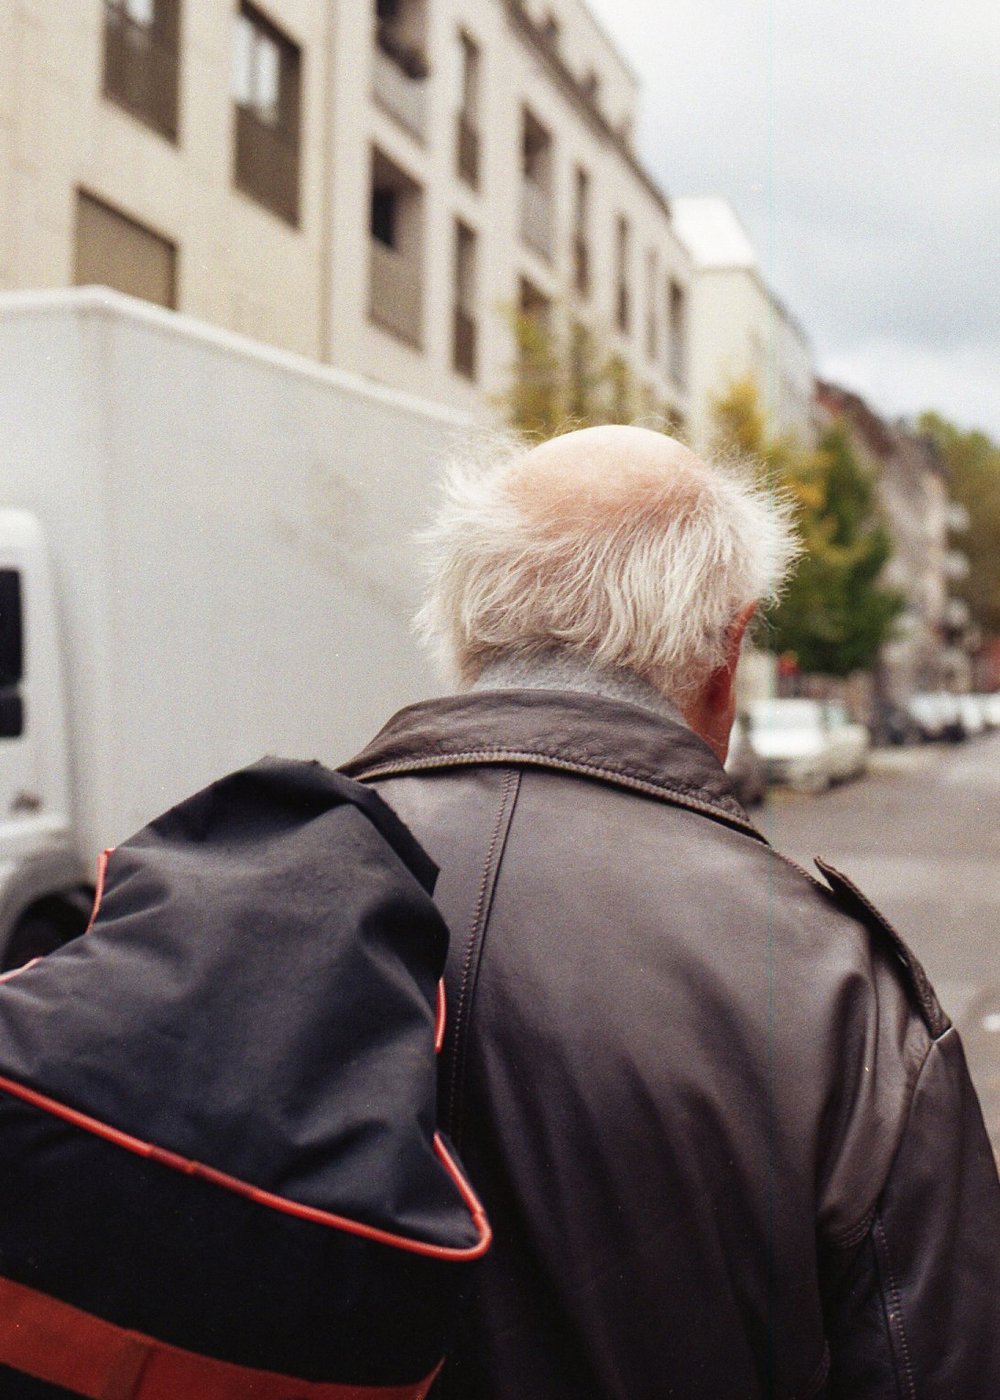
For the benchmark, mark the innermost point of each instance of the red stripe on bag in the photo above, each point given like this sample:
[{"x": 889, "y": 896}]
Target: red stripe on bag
[
  {"x": 52, "y": 1341},
  {"x": 173, "y": 1160}
]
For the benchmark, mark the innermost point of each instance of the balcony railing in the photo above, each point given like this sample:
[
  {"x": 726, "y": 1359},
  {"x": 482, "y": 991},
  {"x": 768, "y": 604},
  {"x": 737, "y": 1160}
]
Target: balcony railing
[
  {"x": 140, "y": 71},
  {"x": 464, "y": 336},
  {"x": 467, "y": 150},
  {"x": 536, "y": 218},
  {"x": 403, "y": 96},
  {"x": 395, "y": 294},
  {"x": 267, "y": 164}
]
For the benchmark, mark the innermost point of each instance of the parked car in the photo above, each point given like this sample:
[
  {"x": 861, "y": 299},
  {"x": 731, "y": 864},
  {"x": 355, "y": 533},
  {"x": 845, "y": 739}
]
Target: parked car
[
  {"x": 849, "y": 742},
  {"x": 745, "y": 766},
  {"x": 990, "y": 703},
  {"x": 807, "y": 744},
  {"x": 972, "y": 715},
  {"x": 937, "y": 715}
]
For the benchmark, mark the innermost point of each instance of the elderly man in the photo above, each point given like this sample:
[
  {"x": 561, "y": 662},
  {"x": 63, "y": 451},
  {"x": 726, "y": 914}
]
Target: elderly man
[{"x": 723, "y": 1128}]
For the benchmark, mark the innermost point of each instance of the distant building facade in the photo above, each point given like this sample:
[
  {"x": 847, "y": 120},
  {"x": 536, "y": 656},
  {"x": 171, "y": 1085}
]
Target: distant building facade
[
  {"x": 739, "y": 329},
  {"x": 378, "y": 184},
  {"x": 912, "y": 484}
]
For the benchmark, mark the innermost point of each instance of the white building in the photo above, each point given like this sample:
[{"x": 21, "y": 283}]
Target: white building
[
  {"x": 738, "y": 328},
  {"x": 377, "y": 184}
]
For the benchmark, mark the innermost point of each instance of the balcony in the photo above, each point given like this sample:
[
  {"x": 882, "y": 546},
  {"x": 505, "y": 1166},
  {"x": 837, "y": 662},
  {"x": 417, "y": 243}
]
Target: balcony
[
  {"x": 140, "y": 71},
  {"x": 395, "y": 294},
  {"x": 536, "y": 218},
  {"x": 467, "y": 150},
  {"x": 267, "y": 164},
  {"x": 401, "y": 88},
  {"x": 464, "y": 335}
]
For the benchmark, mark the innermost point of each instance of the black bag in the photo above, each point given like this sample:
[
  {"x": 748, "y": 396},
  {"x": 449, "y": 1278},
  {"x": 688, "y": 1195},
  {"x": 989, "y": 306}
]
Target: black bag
[{"x": 220, "y": 1175}]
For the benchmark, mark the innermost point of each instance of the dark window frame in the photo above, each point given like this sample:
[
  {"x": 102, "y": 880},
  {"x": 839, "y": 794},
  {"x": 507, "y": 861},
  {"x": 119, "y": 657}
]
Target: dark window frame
[
  {"x": 169, "y": 244},
  {"x": 281, "y": 138},
  {"x": 141, "y": 64}
]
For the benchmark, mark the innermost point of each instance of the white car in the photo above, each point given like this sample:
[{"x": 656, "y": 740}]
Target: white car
[
  {"x": 972, "y": 714},
  {"x": 937, "y": 714},
  {"x": 990, "y": 703},
  {"x": 850, "y": 742},
  {"x": 807, "y": 744}
]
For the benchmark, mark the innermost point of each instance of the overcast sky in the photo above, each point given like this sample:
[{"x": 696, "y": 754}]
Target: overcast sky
[{"x": 860, "y": 144}]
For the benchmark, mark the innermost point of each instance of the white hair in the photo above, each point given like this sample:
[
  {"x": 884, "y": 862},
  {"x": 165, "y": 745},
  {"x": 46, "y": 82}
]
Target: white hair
[{"x": 652, "y": 585}]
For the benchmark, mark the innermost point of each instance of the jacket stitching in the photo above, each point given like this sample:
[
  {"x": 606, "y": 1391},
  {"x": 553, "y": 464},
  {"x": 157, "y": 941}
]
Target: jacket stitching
[
  {"x": 845, "y": 1239},
  {"x": 624, "y": 777},
  {"x": 937, "y": 1022},
  {"x": 505, "y": 810},
  {"x": 895, "y": 1313}
]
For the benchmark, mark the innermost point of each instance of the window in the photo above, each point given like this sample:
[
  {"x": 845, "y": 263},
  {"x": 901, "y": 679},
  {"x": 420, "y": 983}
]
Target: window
[
  {"x": 113, "y": 250},
  {"x": 11, "y": 655},
  {"x": 581, "y": 222},
  {"x": 534, "y": 304},
  {"x": 141, "y": 39},
  {"x": 464, "y": 330},
  {"x": 536, "y": 193},
  {"x": 467, "y": 138},
  {"x": 652, "y": 321},
  {"x": 677, "y": 343},
  {"x": 623, "y": 310},
  {"x": 549, "y": 31},
  {"x": 400, "y": 62},
  {"x": 395, "y": 299},
  {"x": 400, "y": 32},
  {"x": 266, "y": 80}
]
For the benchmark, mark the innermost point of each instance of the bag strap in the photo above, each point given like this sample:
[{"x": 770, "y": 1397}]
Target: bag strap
[{"x": 52, "y": 1341}]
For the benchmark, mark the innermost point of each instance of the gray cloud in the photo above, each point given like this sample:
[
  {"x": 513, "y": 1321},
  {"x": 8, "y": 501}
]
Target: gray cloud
[{"x": 860, "y": 145}]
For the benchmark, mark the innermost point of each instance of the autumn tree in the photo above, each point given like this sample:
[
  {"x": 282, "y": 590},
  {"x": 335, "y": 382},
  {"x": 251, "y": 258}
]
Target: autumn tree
[
  {"x": 835, "y": 615},
  {"x": 570, "y": 379}
]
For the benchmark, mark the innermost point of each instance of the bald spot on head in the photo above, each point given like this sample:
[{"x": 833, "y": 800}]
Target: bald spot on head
[{"x": 601, "y": 478}]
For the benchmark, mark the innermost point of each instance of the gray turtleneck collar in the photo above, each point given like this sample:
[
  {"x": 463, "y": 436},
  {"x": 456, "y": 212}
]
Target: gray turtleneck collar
[{"x": 556, "y": 670}]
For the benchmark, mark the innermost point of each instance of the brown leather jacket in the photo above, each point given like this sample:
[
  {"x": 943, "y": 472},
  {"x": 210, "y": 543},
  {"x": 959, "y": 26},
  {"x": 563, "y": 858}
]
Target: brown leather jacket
[{"x": 724, "y": 1131}]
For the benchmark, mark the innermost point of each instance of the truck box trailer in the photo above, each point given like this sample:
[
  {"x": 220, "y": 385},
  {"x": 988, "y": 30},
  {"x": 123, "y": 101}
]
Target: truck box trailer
[{"x": 206, "y": 555}]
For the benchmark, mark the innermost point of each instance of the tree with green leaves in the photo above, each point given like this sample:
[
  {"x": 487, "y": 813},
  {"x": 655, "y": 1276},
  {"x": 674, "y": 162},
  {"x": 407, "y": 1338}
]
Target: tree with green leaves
[
  {"x": 973, "y": 463},
  {"x": 835, "y": 615}
]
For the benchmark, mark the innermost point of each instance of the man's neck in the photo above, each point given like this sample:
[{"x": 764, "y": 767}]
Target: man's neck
[{"x": 557, "y": 670}]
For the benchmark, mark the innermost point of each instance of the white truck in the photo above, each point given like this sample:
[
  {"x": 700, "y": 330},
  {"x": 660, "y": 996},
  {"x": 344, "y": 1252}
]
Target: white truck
[{"x": 205, "y": 556}]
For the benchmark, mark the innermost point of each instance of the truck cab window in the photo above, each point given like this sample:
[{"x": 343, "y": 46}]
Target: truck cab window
[{"x": 11, "y": 655}]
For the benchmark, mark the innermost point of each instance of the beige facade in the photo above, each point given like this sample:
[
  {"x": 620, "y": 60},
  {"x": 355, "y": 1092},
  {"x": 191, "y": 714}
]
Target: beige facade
[
  {"x": 912, "y": 486},
  {"x": 374, "y": 183},
  {"x": 738, "y": 327},
  {"x": 85, "y": 125}
]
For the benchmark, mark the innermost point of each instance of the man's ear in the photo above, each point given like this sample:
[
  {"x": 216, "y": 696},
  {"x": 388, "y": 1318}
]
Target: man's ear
[
  {"x": 734, "y": 640},
  {"x": 734, "y": 637}
]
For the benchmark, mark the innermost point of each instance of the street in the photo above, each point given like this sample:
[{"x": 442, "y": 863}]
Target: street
[{"x": 920, "y": 834}]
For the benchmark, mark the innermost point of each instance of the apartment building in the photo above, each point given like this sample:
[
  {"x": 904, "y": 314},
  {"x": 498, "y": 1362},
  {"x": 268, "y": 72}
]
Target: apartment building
[
  {"x": 378, "y": 184},
  {"x": 174, "y": 149},
  {"x": 738, "y": 328},
  {"x": 912, "y": 484}
]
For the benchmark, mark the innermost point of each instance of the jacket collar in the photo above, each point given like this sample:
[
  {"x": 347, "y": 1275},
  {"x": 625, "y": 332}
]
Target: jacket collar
[{"x": 609, "y": 739}]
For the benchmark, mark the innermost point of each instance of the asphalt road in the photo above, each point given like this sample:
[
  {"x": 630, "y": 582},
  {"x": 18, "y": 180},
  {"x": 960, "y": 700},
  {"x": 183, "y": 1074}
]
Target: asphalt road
[{"x": 920, "y": 834}]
